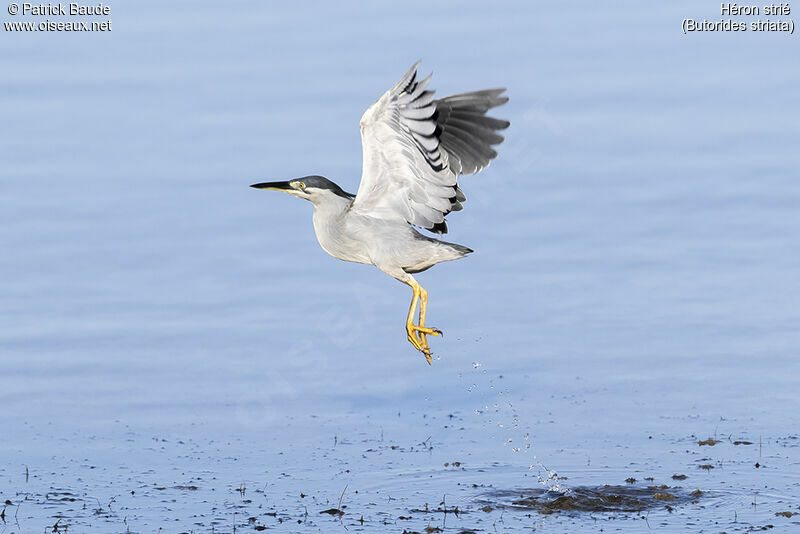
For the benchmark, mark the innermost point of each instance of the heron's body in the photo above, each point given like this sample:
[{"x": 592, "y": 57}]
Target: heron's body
[
  {"x": 415, "y": 148},
  {"x": 348, "y": 235}
]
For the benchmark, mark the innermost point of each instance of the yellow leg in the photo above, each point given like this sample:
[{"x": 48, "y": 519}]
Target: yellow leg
[
  {"x": 423, "y": 310},
  {"x": 417, "y": 334},
  {"x": 423, "y": 306},
  {"x": 412, "y": 336}
]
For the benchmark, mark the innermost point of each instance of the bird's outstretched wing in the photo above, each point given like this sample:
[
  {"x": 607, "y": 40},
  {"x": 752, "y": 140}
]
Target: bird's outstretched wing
[{"x": 415, "y": 148}]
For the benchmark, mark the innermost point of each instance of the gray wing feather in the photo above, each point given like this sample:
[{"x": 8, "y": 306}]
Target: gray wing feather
[
  {"x": 415, "y": 147},
  {"x": 466, "y": 132}
]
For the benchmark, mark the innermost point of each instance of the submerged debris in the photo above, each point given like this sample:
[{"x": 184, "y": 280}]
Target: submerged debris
[{"x": 333, "y": 511}]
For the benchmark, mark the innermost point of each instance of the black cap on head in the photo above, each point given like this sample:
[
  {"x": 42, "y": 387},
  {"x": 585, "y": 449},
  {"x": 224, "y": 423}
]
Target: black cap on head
[{"x": 320, "y": 182}]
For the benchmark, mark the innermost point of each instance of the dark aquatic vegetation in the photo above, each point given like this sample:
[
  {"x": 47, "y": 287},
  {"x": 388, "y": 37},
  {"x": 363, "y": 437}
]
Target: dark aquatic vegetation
[{"x": 581, "y": 499}]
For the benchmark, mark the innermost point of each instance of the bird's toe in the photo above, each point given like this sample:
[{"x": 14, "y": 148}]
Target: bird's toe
[
  {"x": 414, "y": 340},
  {"x": 427, "y": 354}
]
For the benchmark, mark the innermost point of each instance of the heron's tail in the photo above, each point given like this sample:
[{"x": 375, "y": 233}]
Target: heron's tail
[
  {"x": 461, "y": 250},
  {"x": 437, "y": 252}
]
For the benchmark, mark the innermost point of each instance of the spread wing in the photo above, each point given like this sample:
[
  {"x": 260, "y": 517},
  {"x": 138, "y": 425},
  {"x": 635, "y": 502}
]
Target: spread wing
[{"x": 415, "y": 148}]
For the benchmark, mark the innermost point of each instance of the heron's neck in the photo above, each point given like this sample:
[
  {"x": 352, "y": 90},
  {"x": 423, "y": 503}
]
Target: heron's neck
[
  {"x": 331, "y": 206},
  {"x": 329, "y": 225}
]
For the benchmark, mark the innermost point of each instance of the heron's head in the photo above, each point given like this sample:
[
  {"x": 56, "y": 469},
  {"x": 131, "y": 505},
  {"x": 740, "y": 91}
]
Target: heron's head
[{"x": 313, "y": 188}]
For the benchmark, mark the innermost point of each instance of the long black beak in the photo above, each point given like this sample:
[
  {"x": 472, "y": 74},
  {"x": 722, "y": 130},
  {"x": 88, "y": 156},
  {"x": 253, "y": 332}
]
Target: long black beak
[{"x": 274, "y": 186}]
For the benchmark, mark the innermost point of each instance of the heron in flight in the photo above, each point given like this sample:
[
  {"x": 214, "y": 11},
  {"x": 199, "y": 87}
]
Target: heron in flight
[{"x": 414, "y": 149}]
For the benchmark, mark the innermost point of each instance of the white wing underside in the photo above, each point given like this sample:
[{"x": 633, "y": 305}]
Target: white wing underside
[{"x": 415, "y": 147}]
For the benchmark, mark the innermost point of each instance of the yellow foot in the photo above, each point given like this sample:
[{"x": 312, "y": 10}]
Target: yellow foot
[{"x": 417, "y": 337}]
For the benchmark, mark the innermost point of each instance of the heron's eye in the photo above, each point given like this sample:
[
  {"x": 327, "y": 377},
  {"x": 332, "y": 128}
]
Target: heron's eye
[{"x": 301, "y": 186}]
